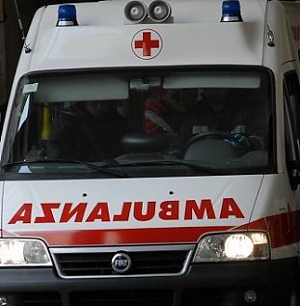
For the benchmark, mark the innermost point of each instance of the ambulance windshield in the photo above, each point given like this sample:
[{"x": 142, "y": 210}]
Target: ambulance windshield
[{"x": 168, "y": 122}]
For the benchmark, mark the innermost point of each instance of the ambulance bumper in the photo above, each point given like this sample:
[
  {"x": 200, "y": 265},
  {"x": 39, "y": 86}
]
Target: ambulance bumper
[{"x": 222, "y": 284}]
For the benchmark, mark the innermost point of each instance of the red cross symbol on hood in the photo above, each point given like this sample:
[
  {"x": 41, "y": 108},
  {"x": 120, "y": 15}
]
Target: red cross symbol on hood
[{"x": 147, "y": 44}]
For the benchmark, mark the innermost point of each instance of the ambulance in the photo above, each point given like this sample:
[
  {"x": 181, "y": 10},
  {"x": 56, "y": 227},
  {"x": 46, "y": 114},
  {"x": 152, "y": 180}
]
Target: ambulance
[{"x": 150, "y": 156}]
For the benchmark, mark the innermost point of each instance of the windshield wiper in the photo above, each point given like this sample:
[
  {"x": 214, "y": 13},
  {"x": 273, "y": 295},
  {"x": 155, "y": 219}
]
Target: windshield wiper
[
  {"x": 88, "y": 165},
  {"x": 166, "y": 163}
]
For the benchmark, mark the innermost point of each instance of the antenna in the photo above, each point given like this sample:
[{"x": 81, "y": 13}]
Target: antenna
[
  {"x": 20, "y": 20},
  {"x": 26, "y": 46}
]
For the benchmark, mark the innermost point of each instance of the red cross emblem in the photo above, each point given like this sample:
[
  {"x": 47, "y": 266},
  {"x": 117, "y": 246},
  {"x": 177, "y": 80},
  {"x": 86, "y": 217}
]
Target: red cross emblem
[{"x": 146, "y": 44}]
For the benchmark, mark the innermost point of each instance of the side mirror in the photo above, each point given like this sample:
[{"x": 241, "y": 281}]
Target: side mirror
[{"x": 294, "y": 173}]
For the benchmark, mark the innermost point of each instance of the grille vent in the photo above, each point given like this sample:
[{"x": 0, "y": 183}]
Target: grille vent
[{"x": 99, "y": 264}]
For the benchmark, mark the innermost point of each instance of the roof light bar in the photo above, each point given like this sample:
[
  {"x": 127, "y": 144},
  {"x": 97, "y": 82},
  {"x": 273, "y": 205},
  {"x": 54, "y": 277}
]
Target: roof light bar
[
  {"x": 135, "y": 11},
  {"x": 231, "y": 11},
  {"x": 67, "y": 15},
  {"x": 159, "y": 10}
]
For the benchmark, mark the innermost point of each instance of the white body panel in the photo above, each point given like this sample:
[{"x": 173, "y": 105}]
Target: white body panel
[
  {"x": 144, "y": 211},
  {"x": 156, "y": 204},
  {"x": 97, "y": 42}
]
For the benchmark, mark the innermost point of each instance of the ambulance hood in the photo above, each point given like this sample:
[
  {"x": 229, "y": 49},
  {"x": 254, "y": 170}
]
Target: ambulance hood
[{"x": 127, "y": 211}]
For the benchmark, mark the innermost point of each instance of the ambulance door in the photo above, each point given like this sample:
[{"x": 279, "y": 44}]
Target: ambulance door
[{"x": 291, "y": 99}]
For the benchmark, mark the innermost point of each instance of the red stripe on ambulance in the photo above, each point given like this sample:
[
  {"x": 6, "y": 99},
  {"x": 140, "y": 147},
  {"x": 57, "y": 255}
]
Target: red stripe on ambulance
[
  {"x": 124, "y": 236},
  {"x": 296, "y": 32}
]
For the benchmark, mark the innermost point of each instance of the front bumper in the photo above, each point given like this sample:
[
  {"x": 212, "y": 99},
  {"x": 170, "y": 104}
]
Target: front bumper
[{"x": 218, "y": 284}]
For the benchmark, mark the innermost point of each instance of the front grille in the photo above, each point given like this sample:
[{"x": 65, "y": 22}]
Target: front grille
[
  {"x": 124, "y": 298},
  {"x": 40, "y": 299},
  {"x": 212, "y": 296},
  {"x": 99, "y": 264}
]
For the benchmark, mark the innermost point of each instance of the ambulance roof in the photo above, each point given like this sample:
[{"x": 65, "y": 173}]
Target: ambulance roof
[{"x": 104, "y": 37}]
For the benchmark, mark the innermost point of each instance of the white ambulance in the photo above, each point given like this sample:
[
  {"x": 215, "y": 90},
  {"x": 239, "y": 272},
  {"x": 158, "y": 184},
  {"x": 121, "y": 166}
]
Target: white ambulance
[{"x": 150, "y": 156}]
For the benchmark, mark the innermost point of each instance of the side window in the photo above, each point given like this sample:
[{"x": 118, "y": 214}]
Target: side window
[{"x": 292, "y": 121}]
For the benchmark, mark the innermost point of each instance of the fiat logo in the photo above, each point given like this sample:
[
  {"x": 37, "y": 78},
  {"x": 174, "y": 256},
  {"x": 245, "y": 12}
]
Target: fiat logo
[{"x": 121, "y": 263}]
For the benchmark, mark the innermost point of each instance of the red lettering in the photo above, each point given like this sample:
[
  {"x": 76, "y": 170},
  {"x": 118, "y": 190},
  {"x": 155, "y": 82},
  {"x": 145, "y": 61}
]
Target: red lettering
[
  {"x": 124, "y": 216},
  {"x": 78, "y": 211},
  {"x": 47, "y": 211},
  {"x": 100, "y": 212},
  {"x": 169, "y": 210},
  {"x": 142, "y": 211},
  {"x": 204, "y": 207},
  {"x": 23, "y": 214},
  {"x": 138, "y": 211},
  {"x": 230, "y": 208}
]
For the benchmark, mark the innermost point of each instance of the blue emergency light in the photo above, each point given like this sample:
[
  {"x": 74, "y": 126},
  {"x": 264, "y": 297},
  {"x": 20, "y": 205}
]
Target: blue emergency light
[
  {"x": 67, "y": 15},
  {"x": 231, "y": 11}
]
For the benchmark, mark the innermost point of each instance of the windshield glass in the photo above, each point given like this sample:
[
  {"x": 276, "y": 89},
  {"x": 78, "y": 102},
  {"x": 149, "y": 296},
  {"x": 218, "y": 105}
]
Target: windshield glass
[{"x": 139, "y": 121}]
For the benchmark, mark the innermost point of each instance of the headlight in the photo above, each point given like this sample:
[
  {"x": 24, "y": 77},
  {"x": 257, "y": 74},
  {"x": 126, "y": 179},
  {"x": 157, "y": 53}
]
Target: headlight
[
  {"x": 233, "y": 247},
  {"x": 23, "y": 252}
]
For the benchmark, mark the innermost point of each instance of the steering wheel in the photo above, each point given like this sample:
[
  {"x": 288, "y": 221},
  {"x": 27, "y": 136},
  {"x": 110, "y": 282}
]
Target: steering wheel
[{"x": 208, "y": 135}]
